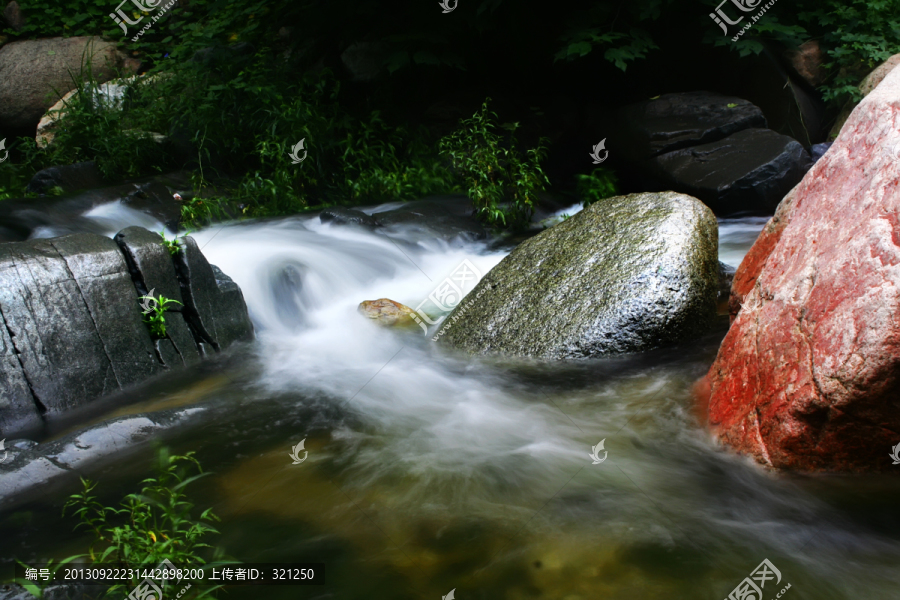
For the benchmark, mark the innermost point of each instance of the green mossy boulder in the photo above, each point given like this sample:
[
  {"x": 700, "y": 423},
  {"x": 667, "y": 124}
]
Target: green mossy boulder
[{"x": 627, "y": 274}]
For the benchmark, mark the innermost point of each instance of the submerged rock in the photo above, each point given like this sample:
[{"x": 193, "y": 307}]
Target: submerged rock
[
  {"x": 442, "y": 217},
  {"x": 341, "y": 215},
  {"x": 808, "y": 376},
  {"x": 626, "y": 274},
  {"x": 387, "y": 312}
]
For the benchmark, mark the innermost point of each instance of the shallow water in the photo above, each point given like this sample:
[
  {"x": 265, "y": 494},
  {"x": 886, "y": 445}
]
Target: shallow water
[{"x": 429, "y": 472}]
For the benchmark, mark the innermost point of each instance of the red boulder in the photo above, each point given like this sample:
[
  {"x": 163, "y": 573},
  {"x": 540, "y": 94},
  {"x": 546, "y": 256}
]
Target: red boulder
[{"x": 808, "y": 376}]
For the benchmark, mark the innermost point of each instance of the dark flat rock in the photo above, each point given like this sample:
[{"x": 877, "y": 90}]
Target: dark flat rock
[
  {"x": 750, "y": 171},
  {"x": 674, "y": 121}
]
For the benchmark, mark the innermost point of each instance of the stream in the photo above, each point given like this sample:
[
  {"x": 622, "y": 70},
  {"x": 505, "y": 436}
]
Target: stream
[{"x": 429, "y": 472}]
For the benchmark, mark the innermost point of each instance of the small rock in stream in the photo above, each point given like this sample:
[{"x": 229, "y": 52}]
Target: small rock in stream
[{"x": 388, "y": 313}]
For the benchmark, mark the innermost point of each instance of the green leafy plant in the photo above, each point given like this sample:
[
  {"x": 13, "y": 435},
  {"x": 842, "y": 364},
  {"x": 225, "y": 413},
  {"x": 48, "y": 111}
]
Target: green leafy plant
[
  {"x": 856, "y": 35},
  {"x": 36, "y": 587},
  {"x": 149, "y": 526},
  {"x": 598, "y": 184},
  {"x": 171, "y": 246},
  {"x": 156, "y": 318},
  {"x": 596, "y": 28},
  {"x": 500, "y": 181}
]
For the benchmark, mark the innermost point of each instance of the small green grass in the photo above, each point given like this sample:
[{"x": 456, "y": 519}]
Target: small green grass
[{"x": 156, "y": 318}]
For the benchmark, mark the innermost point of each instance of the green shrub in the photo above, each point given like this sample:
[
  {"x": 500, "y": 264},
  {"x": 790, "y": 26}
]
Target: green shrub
[
  {"x": 500, "y": 181},
  {"x": 148, "y": 527},
  {"x": 856, "y": 35},
  {"x": 171, "y": 245},
  {"x": 598, "y": 184}
]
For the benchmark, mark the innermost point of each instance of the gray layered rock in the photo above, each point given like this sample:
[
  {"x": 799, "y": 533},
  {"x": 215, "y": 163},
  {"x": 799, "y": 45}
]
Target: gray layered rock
[
  {"x": 73, "y": 329},
  {"x": 71, "y": 311},
  {"x": 751, "y": 170},
  {"x": 675, "y": 121},
  {"x": 18, "y": 411},
  {"x": 213, "y": 305},
  {"x": 150, "y": 265},
  {"x": 627, "y": 274}
]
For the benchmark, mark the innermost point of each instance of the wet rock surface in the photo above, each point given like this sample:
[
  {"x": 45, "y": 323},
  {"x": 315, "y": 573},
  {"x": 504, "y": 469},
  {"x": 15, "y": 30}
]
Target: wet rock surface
[
  {"x": 749, "y": 171},
  {"x": 808, "y": 376},
  {"x": 58, "y": 463},
  {"x": 710, "y": 146},
  {"x": 340, "y": 215},
  {"x": 150, "y": 265},
  {"x": 441, "y": 217},
  {"x": 213, "y": 304},
  {"x": 385, "y": 311},
  {"x": 627, "y": 274},
  {"x": 73, "y": 329},
  {"x": 21, "y": 218},
  {"x": 674, "y": 121}
]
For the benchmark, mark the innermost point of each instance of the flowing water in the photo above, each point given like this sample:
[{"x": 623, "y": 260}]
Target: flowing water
[{"x": 429, "y": 472}]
